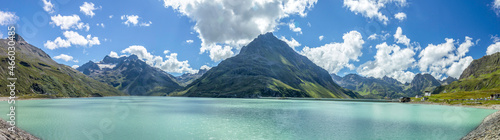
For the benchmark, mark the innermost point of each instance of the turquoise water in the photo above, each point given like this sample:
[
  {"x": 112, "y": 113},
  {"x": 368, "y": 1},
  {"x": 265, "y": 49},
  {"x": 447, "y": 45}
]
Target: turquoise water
[{"x": 134, "y": 118}]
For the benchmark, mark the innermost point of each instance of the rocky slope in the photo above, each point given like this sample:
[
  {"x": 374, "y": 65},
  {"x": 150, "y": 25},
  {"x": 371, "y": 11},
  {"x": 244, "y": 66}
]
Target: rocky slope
[
  {"x": 131, "y": 76},
  {"x": 40, "y": 76},
  {"x": 267, "y": 67}
]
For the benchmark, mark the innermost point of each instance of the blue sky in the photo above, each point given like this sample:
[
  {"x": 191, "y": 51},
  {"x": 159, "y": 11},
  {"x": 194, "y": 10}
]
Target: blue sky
[{"x": 204, "y": 33}]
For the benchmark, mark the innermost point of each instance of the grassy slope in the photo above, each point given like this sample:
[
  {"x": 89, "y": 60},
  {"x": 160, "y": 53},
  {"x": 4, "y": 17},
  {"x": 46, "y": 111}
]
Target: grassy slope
[{"x": 37, "y": 79}]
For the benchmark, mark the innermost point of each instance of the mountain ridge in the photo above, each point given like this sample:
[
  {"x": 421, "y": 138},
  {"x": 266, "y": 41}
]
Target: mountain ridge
[{"x": 266, "y": 67}]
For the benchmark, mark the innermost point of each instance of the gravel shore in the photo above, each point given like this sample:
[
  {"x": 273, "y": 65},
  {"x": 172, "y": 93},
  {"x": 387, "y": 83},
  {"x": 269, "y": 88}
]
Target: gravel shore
[
  {"x": 5, "y": 134},
  {"x": 488, "y": 130}
]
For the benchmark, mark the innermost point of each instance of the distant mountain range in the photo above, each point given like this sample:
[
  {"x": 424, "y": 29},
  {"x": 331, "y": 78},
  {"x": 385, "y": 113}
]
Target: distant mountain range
[
  {"x": 387, "y": 87},
  {"x": 40, "y": 76},
  {"x": 267, "y": 67},
  {"x": 131, "y": 76}
]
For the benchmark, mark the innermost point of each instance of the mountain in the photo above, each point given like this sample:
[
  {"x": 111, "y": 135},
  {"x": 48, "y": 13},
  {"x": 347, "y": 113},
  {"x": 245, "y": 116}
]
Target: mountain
[
  {"x": 267, "y": 67},
  {"x": 187, "y": 78},
  {"x": 131, "y": 75},
  {"x": 424, "y": 82},
  {"x": 448, "y": 80},
  {"x": 481, "y": 75},
  {"x": 40, "y": 76},
  {"x": 370, "y": 87},
  {"x": 387, "y": 87}
]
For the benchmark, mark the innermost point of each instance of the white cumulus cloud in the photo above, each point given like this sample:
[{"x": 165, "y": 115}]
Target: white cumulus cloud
[
  {"x": 88, "y": 9},
  {"x": 64, "y": 57},
  {"x": 445, "y": 58},
  {"x": 7, "y": 18},
  {"x": 391, "y": 61},
  {"x": 234, "y": 24},
  {"x": 205, "y": 67},
  {"x": 292, "y": 43},
  {"x": 335, "y": 56},
  {"x": 493, "y": 48},
  {"x": 134, "y": 20},
  {"x": 48, "y": 6},
  {"x": 496, "y": 7},
  {"x": 169, "y": 64},
  {"x": 321, "y": 38},
  {"x": 72, "y": 38},
  {"x": 400, "y": 38},
  {"x": 292, "y": 25},
  {"x": 400, "y": 16},
  {"x": 75, "y": 66},
  {"x": 113, "y": 54},
  {"x": 189, "y": 41},
  {"x": 69, "y": 22},
  {"x": 371, "y": 8}
]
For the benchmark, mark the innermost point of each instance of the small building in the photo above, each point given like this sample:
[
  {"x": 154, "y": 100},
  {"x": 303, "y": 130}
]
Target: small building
[
  {"x": 418, "y": 96},
  {"x": 495, "y": 96},
  {"x": 427, "y": 93},
  {"x": 424, "y": 99}
]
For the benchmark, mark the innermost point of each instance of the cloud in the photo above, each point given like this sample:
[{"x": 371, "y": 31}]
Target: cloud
[
  {"x": 292, "y": 43},
  {"x": 102, "y": 25},
  {"x": 205, "y": 67},
  {"x": 72, "y": 38},
  {"x": 321, "y": 38},
  {"x": 235, "y": 24},
  {"x": 64, "y": 57},
  {"x": 335, "y": 56},
  {"x": 493, "y": 48},
  {"x": 400, "y": 16},
  {"x": 438, "y": 59},
  {"x": 292, "y": 25},
  {"x": 68, "y": 22},
  {"x": 88, "y": 9},
  {"x": 110, "y": 16},
  {"x": 7, "y": 18},
  {"x": 496, "y": 7},
  {"x": 169, "y": 64},
  {"x": 75, "y": 66},
  {"x": 391, "y": 61},
  {"x": 146, "y": 24},
  {"x": 134, "y": 20},
  {"x": 113, "y": 54},
  {"x": 371, "y": 8},
  {"x": 217, "y": 52},
  {"x": 48, "y": 6},
  {"x": 400, "y": 38},
  {"x": 457, "y": 68},
  {"x": 376, "y": 36},
  {"x": 189, "y": 41}
]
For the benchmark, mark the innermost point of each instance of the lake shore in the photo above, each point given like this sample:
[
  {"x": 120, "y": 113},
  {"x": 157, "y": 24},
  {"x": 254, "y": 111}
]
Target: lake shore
[
  {"x": 488, "y": 129},
  {"x": 19, "y": 134}
]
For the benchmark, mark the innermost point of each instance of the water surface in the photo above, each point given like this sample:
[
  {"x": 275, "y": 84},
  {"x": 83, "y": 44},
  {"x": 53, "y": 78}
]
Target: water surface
[{"x": 130, "y": 118}]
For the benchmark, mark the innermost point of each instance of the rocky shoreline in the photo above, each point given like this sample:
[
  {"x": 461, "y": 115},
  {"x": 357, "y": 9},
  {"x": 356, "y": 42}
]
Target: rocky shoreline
[
  {"x": 488, "y": 130},
  {"x": 5, "y": 134}
]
